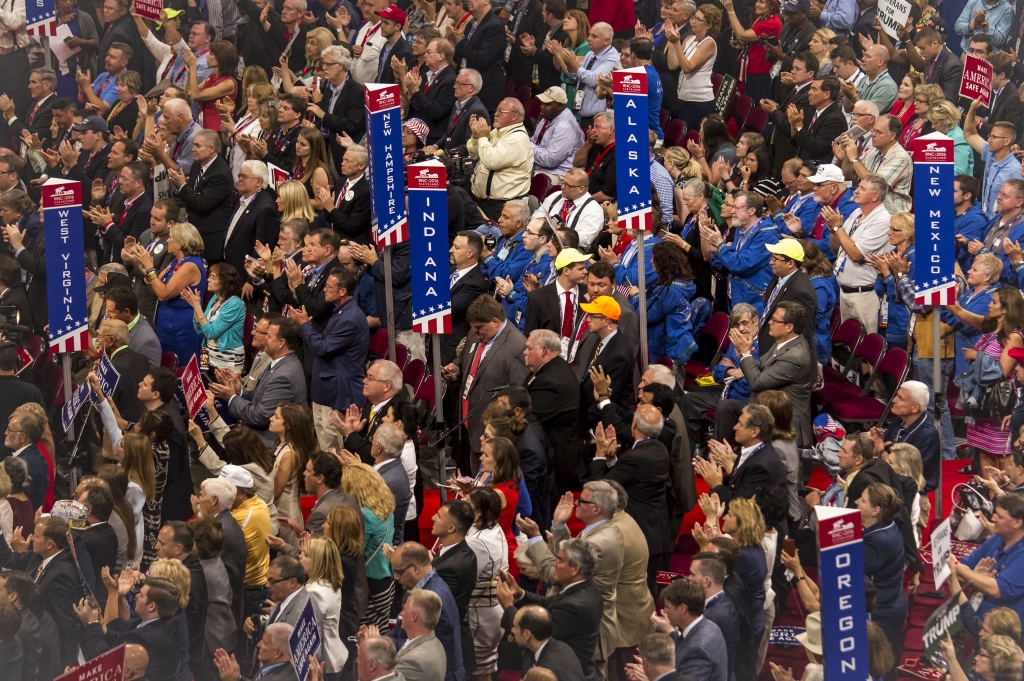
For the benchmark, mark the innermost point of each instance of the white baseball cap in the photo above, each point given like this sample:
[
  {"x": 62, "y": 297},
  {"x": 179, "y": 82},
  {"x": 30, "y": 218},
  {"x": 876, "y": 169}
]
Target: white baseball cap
[
  {"x": 827, "y": 173},
  {"x": 237, "y": 476}
]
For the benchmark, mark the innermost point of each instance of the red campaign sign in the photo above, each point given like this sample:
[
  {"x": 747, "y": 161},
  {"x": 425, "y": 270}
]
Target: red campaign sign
[
  {"x": 629, "y": 82},
  {"x": 977, "y": 79},
  {"x": 107, "y": 667},
  {"x": 380, "y": 97},
  {"x": 148, "y": 9},
  {"x": 192, "y": 386}
]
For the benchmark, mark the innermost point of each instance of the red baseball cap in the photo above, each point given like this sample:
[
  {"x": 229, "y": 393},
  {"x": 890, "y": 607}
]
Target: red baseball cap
[
  {"x": 1017, "y": 354},
  {"x": 393, "y": 12}
]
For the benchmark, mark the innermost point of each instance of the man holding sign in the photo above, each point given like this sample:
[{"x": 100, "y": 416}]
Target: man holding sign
[{"x": 129, "y": 365}]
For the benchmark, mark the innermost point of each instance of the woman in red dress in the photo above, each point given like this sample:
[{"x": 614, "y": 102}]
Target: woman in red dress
[{"x": 223, "y": 59}]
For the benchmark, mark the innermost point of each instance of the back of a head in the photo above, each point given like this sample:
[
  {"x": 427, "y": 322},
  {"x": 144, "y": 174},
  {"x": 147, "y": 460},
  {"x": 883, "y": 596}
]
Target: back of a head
[
  {"x": 659, "y": 650},
  {"x": 10, "y": 621}
]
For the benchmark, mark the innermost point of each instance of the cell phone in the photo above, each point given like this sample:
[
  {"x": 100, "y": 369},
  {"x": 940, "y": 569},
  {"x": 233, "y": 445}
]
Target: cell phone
[
  {"x": 789, "y": 546},
  {"x": 249, "y": 257}
]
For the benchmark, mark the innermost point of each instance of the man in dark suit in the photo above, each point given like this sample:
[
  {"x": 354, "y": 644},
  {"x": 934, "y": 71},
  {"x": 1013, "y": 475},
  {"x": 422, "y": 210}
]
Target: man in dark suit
[
  {"x": 281, "y": 149},
  {"x": 152, "y": 628},
  {"x": 698, "y": 648},
  {"x": 339, "y": 104},
  {"x": 1005, "y": 104},
  {"x": 491, "y": 359},
  {"x": 176, "y": 541},
  {"x": 288, "y": 31},
  {"x": 120, "y": 28},
  {"x": 468, "y": 282},
  {"x": 131, "y": 366},
  {"x": 106, "y": 192},
  {"x": 350, "y": 216},
  {"x": 760, "y": 466},
  {"x": 24, "y": 431},
  {"x": 162, "y": 215},
  {"x": 90, "y": 162},
  {"x": 99, "y": 537},
  {"x": 255, "y": 218},
  {"x": 28, "y": 246},
  {"x": 283, "y": 381},
  {"x": 789, "y": 283},
  {"x": 42, "y": 85},
  {"x": 483, "y": 50},
  {"x": 527, "y": 20},
  {"x": 531, "y": 629},
  {"x": 601, "y": 282},
  {"x": 433, "y": 96},
  {"x": 575, "y": 611},
  {"x": 556, "y": 307},
  {"x": 267, "y": 275},
  {"x": 338, "y": 353},
  {"x": 813, "y": 130},
  {"x": 941, "y": 67},
  {"x": 215, "y": 499},
  {"x": 467, "y": 87},
  {"x": 555, "y": 393},
  {"x": 708, "y": 570},
  {"x": 392, "y": 19},
  {"x": 805, "y": 66},
  {"x": 548, "y": 75},
  {"x": 38, "y": 634},
  {"x": 132, "y": 218},
  {"x": 206, "y": 193},
  {"x": 609, "y": 355},
  {"x": 914, "y": 426},
  {"x": 401, "y": 285},
  {"x": 456, "y": 564},
  {"x": 382, "y": 385},
  {"x": 388, "y": 443}
]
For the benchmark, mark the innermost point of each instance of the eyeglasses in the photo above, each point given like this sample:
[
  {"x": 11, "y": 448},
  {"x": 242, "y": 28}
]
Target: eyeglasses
[
  {"x": 581, "y": 500},
  {"x": 272, "y": 582},
  {"x": 11, "y": 430},
  {"x": 401, "y": 571},
  {"x": 507, "y": 112},
  {"x": 374, "y": 378},
  {"x": 329, "y": 63},
  {"x": 920, "y": 101},
  {"x": 772, "y": 320}
]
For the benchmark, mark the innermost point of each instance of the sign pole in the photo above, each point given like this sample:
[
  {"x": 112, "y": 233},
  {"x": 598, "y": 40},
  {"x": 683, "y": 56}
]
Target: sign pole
[
  {"x": 442, "y": 473},
  {"x": 633, "y": 174},
  {"x": 389, "y": 297},
  {"x": 66, "y": 362},
  {"x": 939, "y": 392}
]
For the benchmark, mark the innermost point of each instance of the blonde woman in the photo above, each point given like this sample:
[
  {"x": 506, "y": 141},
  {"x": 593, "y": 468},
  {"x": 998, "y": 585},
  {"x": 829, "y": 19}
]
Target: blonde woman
[
  {"x": 175, "y": 572},
  {"x": 320, "y": 559},
  {"x": 925, "y": 97},
  {"x": 293, "y": 202},
  {"x": 901, "y": 238},
  {"x": 745, "y": 524},
  {"x": 820, "y": 48},
  {"x": 945, "y": 118},
  {"x": 344, "y": 526},
  {"x": 378, "y": 507},
  {"x": 138, "y": 462},
  {"x": 905, "y": 459}
]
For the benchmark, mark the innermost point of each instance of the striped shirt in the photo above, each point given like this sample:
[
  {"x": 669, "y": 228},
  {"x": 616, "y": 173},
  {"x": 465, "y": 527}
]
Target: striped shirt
[{"x": 896, "y": 166}]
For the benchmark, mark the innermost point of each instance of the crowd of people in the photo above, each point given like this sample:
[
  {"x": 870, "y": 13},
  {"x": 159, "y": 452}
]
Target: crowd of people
[{"x": 532, "y": 539}]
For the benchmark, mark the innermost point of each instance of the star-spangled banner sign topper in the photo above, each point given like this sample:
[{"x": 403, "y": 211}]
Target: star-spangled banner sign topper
[
  {"x": 632, "y": 148},
  {"x": 41, "y": 17},
  {"x": 387, "y": 181},
  {"x": 934, "y": 272},
  {"x": 428, "y": 241},
  {"x": 65, "y": 263}
]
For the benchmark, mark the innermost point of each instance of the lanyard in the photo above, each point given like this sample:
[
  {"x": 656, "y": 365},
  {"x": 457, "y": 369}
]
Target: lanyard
[
  {"x": 597, "y": 161},
  {"x": 369, "y": 34}
]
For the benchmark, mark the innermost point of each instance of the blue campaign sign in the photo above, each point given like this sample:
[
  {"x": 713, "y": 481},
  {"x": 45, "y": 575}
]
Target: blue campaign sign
[
  {"x": 71, "y": 408},
  {"x": 841, "y": 559},
  {"x": 304, "y": 641},
  {"x": 632, "y": 148},
  {"x": 65, "y": 265},
  {"x": 387, "y": 181},
  {"x": 934, "y": 220},
  {"x": 428, "y": 239},
  {"x": 108, "y": 378}
]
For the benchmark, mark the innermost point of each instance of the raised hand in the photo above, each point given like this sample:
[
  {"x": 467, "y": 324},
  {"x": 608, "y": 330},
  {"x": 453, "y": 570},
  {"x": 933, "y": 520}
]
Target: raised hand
[{"x": 564, "y": 509}]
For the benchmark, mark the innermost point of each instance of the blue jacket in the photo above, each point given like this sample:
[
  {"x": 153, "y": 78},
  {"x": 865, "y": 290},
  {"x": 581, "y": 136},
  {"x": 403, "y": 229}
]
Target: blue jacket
[
  {"x": 1010, "y": 274},
  {"x": 669, "y": 323},
  {"x": 628, "y": 269},
  {"x": 447, "y": 630},
  {"x": 923, "y": 435},
  {"x": 39, "y": 472},
  {"x": 747, "y": 263},
  {"x": 364, "y": 295},
  {"x": 845, "y": 207},
  {"x": 898, "y": 324},
  {"x": 339, "y": 354},
  {"x": 655, "y": 93},
  {"x": 513, "y": 264},
  {"x": 883, "y": 563},
  {"x": 825, "y": 287},
  {"x": 227, "y": 328},
  {"x": 515, "y": 302},
  {"x": 738, "y": 388},
  {"x": 971, "y": 225},
  {"x": 965, "y": 334},
  {"x": 808, "y": 213}
]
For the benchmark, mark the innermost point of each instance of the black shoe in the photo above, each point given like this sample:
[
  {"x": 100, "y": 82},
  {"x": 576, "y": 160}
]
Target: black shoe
[{"x": 966, "y": 470}]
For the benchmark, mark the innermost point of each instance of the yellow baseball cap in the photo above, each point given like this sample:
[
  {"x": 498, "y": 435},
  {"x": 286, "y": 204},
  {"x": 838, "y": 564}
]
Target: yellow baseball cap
[
  {"x": 568, "y": 256},
  {"x": 790, "y": 248},
  {"x": 603, "y": 305}
]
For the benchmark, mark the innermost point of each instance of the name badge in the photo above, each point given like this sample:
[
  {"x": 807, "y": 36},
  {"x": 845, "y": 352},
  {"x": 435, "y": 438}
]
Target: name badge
[{"x": 503, "y": 253}]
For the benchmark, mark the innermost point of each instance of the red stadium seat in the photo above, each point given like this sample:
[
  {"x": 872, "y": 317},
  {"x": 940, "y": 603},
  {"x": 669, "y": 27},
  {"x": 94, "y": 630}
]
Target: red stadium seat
[
  {"x": 675, "y": 132},
  {"x": 414, "y": 373},
  {"x": 250, "y": 323},
  {"x": 379, "y": 343},
  {"x": 540, "y": 186},
  {"x": 741, "y": 108},
  {"x": 401, "y": 357},
  {"x": 756, "y": 121},
  {"x": 663, "y": 117},
  {"x": 169, "y": 360},
  {"x": 691, "y": 136},
  {"x": 533, "y": 109},
  {"x": 524, "y": 95},
  {"x": 836, "y": 386},
  {"x": 871, "y": 410},
  {"x": 850, "y": 333},
  {"x": 716, "y": 82}
]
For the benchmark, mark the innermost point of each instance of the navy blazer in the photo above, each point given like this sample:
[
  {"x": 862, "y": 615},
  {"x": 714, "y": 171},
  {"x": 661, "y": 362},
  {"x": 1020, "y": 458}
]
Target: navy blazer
[
  {"x": 339, "y": 352},
  {"x": 401, "y": 285},
  {"x": 33, "y": 260},
  {"x": 433, "y": 104},
  {"x": 762, "y": 468},
  {"x": 923, "y": 435},
  {"x": 259, "y": 222},
  {"x": 166, "y": 644},
  {"x": 722, "y": 611},
  {"x": 39, "y": 472},
  {"x": 351, "y": 218},
  {"x": 134, "y": 224},
  {"x": 484, "y": 51},
  {"x": 347, "y": 116},
  {"x": 457, "y": 131},
  {"x": 402, "y": 50},
  {"x": 448, "y": 630},
  {"x": 699, "y": 652}
]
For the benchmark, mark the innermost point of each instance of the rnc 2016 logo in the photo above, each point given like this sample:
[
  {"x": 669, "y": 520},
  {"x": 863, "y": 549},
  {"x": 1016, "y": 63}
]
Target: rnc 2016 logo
[
  {"x": 933, "y": 151},
  {"x": 842, "y": 531},
  {"x": 631, "y": 85},
  {"x": 426, "y": 178},
  {"x": 63, "y": 196}
]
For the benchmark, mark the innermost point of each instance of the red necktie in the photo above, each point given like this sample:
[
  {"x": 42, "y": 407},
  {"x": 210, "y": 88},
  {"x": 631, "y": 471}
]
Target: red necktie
[
  {"x": 567, "y": 316},
  {"x": 543, "y": 129},
  {"x": 341, "y": 194},
  {"x": 564, "y": 213},
  {"x": 472, "y": 375}
]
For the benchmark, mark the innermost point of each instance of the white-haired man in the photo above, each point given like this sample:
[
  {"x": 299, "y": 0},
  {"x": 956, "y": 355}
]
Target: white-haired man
[
  {"x": 177, "y": 118},
  {"x": 275, "y": 656},
  {"x": 505, "y": 157},
  {"x": 600, "y": 61},
  {"x": 356, "y": 426},
  {"x": 350, "y": 215},
  {"x": 913, "y": 425},
  {"x": 467, "y": 104},
  {"x": 255, "y": 218},
  {"x": 339, "y": 103},
  {"x": 216, "y": 497}
]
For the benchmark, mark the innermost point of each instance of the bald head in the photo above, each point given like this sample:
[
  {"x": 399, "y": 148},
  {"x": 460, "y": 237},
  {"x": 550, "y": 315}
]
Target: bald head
[
  {"x": 177, "y": 115},
  {"x": 136, "y": 660},
  {"x": 647, "y": 421},
  {"x": 875, "y": 60}
]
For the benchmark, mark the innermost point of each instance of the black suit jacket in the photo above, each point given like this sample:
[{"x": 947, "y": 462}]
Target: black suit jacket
[
  {"x": 40, "y": 124},
  {"x": 457, "y": 132},
  {"x": 351, "y": 218},
  {"x": 814, "y": 140},
  {"x": 575, "y": 618},
  {"x": 555, "y": 393},
  {"x": 208, "y": 202},
  {"x": 281, "y": 152},
  {"x": 160, "y": 638},
  {"x": 780, "y": 137},
  {"x": 798, "y": 289},
  {"x": 124, "y": 30},
  {"x": 643, "y": 471},
  {"x": 618, "y": 364},
  {"x": 33, "y": 260},
  {"x": 311, "y": 295},
  {"x": 134, "y": 224},
  {"x": 1007, "y": 107},
  {"x": 133, "y": 367},
  {"x": 520, "y": 66},
  {"x": 548, "y": 74},
  {"x": 361, "y": 442},
  {"x": 161, "y": 258},
  {"x": 260, "y": 222},
  {"x": 468, "y": 288},
  {"x": 101, "y": 541},
  {"x": 457, "y": 568},
  {"x": 15, "y": 297},
  {"x": 763, "y": 468},
  {"x": 402, "y": 50},
  {"x": 85, "y": 172},
  {"x": 947, "y": 72},
  {"x": 433, "y": 105},
  {"x": 195, "y": 614},
  {"x": 544, "y": 309},
  {"x": 297, "y": 54},
  {"x": 235, "y": 555},
  {"x": 484, "y": 51},
  {"x": 347, "y": 116},
  {"x": 558, "y": 657}
]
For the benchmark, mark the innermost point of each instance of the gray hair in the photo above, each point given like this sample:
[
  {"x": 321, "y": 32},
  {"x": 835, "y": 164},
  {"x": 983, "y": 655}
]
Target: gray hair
[
  {"x": 257, "y": 169},
  {"x": 179, "y": 106},
  {"x": 428, "y": 605},
  {"x": 621, "y": 491},
  {"x": 548, "y": 339},
  {"x": 277, "y": 635},
  {"x": 46, "y": 76},
  {"x": 382, "y": 651},
  {"x": 340, "y": 54},
  {"x": 760, "y": 417},
  {"x": 580, "y": 553},
  {"x": 662, "y": 375},
  {"x": 648, "y": 428},
  {"x": 390, "y": 372},
  {"x": 689, "y": 6},
  {"x": 113, "y": 268},
  {"x": 659, "y": 650},
  {"x": 117, "y": 329},
  {"x": 211, "y": 137},
  {"x": 695, "y": 185},
  {"x": 301, "y": 6},
  {"x": 391, "y": 439},
  {"x": 520, "y": 210},
  {"x": 877, "y": 183},
  {"x": 298, "y": 228},
  {"x": 918, "y": 393},
  {"x": 741, "y": 310},
  {"x": 360, "y": 153},
  {"x": 608, "y": 117},
  {"x": 604, "y": 29},
  {"x": 224, "y": 491},
  {"x": 602, "y": 494},
  {"x": 475, "y": 79},
  {"x": 870, "y": 108}
]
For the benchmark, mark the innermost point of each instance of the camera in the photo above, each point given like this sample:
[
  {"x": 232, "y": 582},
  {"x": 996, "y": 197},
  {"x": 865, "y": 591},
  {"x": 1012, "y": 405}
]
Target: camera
[
  {"x": 459, "y": 168},
  {"x": 10, "y": 328}
]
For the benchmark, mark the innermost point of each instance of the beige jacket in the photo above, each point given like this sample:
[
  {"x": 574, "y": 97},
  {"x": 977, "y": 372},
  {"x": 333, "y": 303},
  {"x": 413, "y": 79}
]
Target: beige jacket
[
  {"x": 635, "y": 603},
  {"x": 508, "y": 152}
]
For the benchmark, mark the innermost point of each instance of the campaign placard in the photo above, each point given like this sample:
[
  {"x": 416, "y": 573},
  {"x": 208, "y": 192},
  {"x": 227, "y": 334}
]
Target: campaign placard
[
  {"x": 841, "y": 560},
  {"x": 304, "y": 641},
  {"x": 108, "y": 378},
  {"x": 387, "y": 180},
  {"x": 65, "y": 262},
  {"x": 934, "y": 271},
  {"x": 106, "y": 667},
  {"x": 71, "y": 408},
  {"x": 148, "y": 9},
  {"x": 428, "y": 241},
  {"x": 976, "y": 83},
  {"x": 632, "y": 148},
  {"x": 193, "y": 388},
  {"x": 942, "y": 537},
  {"x": 945, "y": 620},
  {"x": 893, "y": 15},
  {"x": 277, "y": 175}
]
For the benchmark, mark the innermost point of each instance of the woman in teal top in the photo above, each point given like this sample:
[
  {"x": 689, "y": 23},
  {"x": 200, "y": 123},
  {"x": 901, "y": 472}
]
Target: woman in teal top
[
  {"x": 222, "y": 324},
  {"x": 945, "y": 118},
  {"x": 577, "y": 28},
  {"x": 378, "y": 506}
]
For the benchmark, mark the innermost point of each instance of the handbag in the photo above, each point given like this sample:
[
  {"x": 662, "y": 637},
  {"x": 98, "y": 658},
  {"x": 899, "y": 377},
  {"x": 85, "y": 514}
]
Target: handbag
[{"x": 995, "y": 400}]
